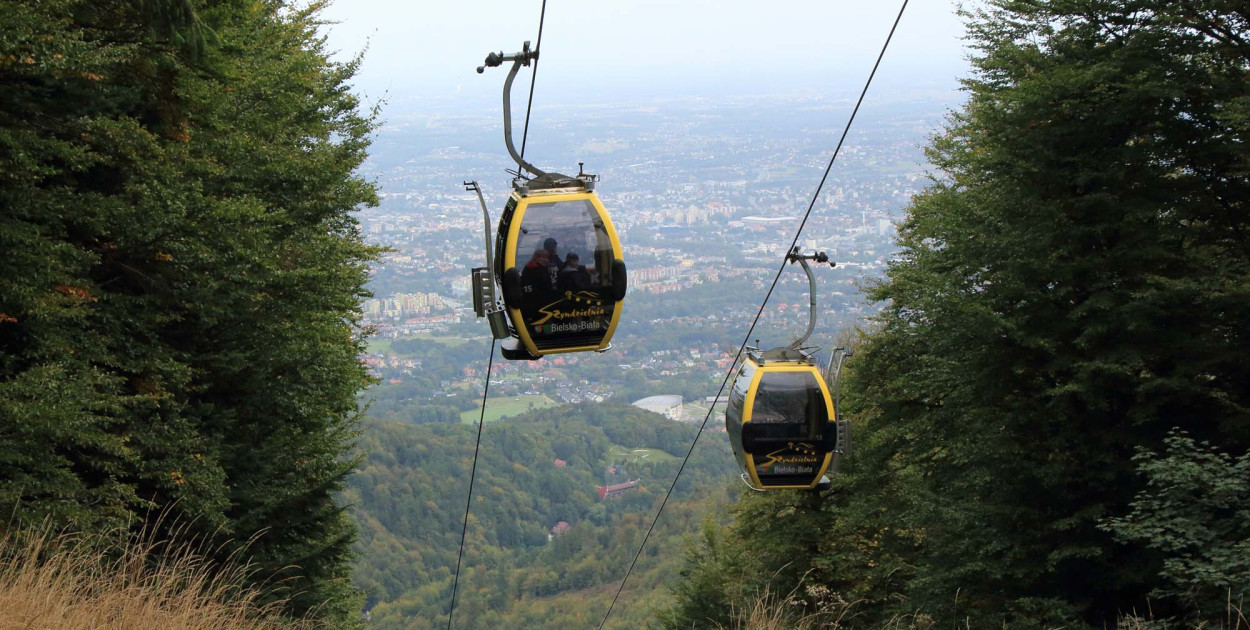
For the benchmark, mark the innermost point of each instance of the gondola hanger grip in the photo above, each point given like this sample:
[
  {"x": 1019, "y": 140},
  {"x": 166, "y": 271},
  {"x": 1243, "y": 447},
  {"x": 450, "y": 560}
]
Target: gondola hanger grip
[
  {"x": 819, "y": 257},
  {"x": 494, "y": 60}
]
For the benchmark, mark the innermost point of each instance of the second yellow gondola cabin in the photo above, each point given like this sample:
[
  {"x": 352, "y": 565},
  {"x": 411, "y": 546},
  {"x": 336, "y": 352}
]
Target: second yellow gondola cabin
[
  {"x": 781, "y": 419},
  {"x": 556, "y": 258}
]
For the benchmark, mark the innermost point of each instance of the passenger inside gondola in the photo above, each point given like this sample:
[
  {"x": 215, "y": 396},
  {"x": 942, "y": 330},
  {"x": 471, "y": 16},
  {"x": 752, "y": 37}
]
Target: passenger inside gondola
[
  {"x": 536, "y": 285},
  {"x": 553, "y": 258},
  {"x": 573, "y": 277}
]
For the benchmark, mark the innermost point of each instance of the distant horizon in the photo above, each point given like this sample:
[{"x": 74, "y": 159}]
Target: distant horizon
[
  {"x": 399, "y": 107},
  {"x": 426, "y": 53}
]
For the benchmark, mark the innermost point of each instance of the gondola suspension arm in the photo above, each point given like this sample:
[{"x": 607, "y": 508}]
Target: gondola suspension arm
[
  {"x": 820, "y": 257},
  {"x": 490, "y": 259},
  {"x": 833, "y": 378},
  {"x": 523, "y": 58}
]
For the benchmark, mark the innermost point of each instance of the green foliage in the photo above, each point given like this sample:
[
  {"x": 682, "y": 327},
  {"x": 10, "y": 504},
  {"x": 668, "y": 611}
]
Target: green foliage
[
  {"x": 422, "y": 397},
  {"x": 1071, "y": 287},
  {"x": 772, "y": 545},
  {"x": 409, "y": 500},
  {"x": 702, "y": 594},
  {"x": 1063, "y": 296},
  {"x": 178, "y": 310},
  {"x": 1195, "y": 511}
]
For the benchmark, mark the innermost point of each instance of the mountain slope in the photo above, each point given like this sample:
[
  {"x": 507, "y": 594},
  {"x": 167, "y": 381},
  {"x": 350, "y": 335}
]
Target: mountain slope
[{"x": 409, "y": 502}]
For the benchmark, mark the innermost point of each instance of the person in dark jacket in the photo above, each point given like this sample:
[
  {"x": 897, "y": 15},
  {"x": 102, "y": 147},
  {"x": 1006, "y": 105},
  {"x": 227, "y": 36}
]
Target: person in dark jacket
[
  {"x": 553, "y": 258},
  {"x": 573, "y": 277}
]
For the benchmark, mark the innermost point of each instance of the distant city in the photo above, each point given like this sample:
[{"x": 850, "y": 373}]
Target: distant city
[{"x": 706, "y": 197}]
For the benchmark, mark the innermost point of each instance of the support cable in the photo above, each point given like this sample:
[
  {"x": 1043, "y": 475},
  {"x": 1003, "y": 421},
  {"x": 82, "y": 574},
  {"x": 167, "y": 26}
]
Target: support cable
[
  {"x": 755, "y": 321},
  {"x": 533, "y": 77},
  {"x": 481, "y": 421},
  {"x": 468, "y": 500}
]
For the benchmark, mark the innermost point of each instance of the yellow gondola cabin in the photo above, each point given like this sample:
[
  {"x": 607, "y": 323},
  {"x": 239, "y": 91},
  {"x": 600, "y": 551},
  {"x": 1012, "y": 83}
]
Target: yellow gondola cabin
[
  {"x": 557, "y": 259},
  {"x": 781, "y": 420},
  {"x": 558, "y": 262}
]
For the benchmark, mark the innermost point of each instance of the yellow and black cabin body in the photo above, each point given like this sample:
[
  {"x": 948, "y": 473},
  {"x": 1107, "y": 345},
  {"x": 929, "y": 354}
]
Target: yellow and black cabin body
[
  {"x": 781, "y": 420},
  {"x": 558, "y": 261}
]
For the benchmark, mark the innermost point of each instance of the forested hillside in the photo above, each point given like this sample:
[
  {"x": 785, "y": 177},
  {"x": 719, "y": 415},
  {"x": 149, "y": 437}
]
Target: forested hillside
[
  {"x": 1051, "y": 414},
  {"x": 180, "y": 284},
  {"x": 409, "y": 500}
]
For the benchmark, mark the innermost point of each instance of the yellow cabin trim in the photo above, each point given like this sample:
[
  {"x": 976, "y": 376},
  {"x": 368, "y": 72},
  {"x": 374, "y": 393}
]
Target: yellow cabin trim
[
  {"x": 514, "y": 236},
  {"x": 749, "y": 405}
]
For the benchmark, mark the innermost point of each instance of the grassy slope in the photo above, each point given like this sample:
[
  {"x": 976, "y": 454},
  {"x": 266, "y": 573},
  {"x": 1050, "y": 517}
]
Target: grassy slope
[{"x": 497, "y": 408}]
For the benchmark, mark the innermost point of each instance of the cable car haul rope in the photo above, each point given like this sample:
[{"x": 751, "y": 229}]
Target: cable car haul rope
[{"x": 793, "y": 244}]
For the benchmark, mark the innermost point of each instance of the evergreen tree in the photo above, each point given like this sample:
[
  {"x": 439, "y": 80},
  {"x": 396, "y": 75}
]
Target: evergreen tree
[
  {"x": 178, "y": 305},
  {"x": 1070, "y": 289}
]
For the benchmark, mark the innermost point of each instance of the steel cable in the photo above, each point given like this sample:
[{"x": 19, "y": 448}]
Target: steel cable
[
  {"x": 755, "y": 321},
  {"x": 533, "y": 77},
  {"x": 491, "y": 362},
  {"x": 481, "y": 422}
]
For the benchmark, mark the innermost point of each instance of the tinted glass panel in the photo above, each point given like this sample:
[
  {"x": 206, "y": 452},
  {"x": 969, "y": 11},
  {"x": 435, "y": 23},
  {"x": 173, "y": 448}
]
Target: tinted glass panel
[
  {"x": 565, "y": 257},
  {"x": 790, "y": 398},
  {"x": 786, "y": 431}
]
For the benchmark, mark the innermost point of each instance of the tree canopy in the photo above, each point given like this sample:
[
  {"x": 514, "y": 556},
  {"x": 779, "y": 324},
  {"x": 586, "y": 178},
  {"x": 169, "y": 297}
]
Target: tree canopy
[
  {"x": 1070, "y": 289},
  {"x": 179, "y": 297},
  {"x": 535, "y": 471}
]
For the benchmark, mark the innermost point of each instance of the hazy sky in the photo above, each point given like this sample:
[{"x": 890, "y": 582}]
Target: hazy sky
[{"x": 426, "y": 51}]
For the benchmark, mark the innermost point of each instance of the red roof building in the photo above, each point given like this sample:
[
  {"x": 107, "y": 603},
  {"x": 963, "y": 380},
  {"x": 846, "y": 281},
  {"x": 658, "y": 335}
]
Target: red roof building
[{"x": 616, "y": 489}]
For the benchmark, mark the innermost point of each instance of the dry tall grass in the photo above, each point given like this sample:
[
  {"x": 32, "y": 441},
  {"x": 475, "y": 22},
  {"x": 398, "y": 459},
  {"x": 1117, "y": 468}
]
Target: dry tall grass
[
  {"x": 768, "y": 611},
  {"x": 66, "y": 582},
  {"x": 1234, "y": 619}
]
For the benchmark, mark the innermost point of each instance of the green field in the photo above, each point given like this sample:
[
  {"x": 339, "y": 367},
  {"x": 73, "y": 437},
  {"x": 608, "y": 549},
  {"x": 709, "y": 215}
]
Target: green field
[
  {"x": 383, "y": 346},
  {"x": 451, "y": 342},
  {"x": 622, "y": 455},
  {"x": 496, "y": 408}
]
